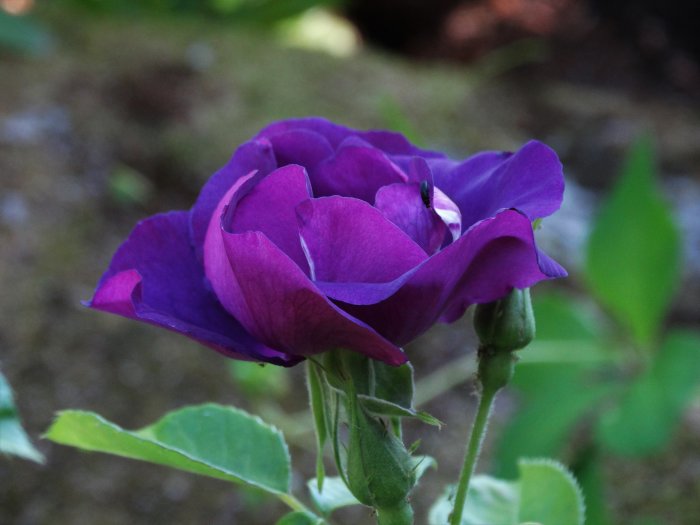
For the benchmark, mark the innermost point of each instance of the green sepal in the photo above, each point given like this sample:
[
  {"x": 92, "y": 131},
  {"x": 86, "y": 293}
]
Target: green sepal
[{"x": 318, "y": 409}]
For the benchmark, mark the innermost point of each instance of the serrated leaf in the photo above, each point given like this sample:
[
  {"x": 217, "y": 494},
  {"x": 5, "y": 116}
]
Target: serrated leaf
[
  {"x": 633, "y": 250},
  {"x": 549, "y": 494},
  {"x": 644, "y": 420},
  {"x": 545, "y": 493},
  {"x": 212, "y": 440},
  {"x": 299, "y": 518},
  {"x": 13, "y": 438}
]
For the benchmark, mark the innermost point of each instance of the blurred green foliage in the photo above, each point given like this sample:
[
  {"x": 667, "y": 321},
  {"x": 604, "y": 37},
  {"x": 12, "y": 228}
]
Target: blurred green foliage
[
  {"x": 259, "y": 12},
  {"x": 23, "y": 35},
  {"x": 617, "y": 382}
]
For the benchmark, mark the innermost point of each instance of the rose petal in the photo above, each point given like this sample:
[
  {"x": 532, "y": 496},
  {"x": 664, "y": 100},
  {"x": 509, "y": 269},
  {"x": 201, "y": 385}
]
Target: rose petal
[
  {"x": 300, "y": 146},
  {"x": 347, "y": 240},
  {"x": 355, "y": 171},
  {"x": 253, "y": 155},
  {"x": 285, "y": 310},
  {"x": 403, "y": 205},
  {"x": 529, "y": 180},
  {"x": 155, "y": 277},
  {"x": 481, "y": 266},
  {"x": 269, "y": 207},
  {"x": 387, "y": 141}
]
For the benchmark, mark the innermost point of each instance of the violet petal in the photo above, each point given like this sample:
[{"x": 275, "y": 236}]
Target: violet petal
[
  {"x": 253, "y": 155},
  {"x": 285, "y": 310},
  {"x": 494, "y": 256},
  {"x": 347, "y": 240},
  {"x": 529, "y": 180},
  {"x": 155, "y": 277}
]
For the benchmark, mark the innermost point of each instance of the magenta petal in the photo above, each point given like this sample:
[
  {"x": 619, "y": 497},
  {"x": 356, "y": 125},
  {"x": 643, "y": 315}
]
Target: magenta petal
[
  {"x": 355, "y": 171},
  {"x": 269, "y": 207},
  {"x": 493, "y": 257},
  {"x": 277, "y": 302},
  {"x": 155, "y": 277},
  {"x": 250, "y": 156},
  {"x": 347, "y": 240},
  {"x": 529, "y": 180}
]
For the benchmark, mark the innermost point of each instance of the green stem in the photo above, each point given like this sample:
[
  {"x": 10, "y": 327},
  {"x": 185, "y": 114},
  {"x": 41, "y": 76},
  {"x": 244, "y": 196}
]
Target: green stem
[{"x": 476, "y": 438}]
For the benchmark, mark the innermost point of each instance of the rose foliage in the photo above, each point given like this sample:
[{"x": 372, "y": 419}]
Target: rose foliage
[{"x": 315, "y": 236}]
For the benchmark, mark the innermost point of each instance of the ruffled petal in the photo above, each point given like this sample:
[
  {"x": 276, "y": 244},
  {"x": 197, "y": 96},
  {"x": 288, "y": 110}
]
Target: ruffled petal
[
  {"x": 255, "y": 155},
  {"x": 530, "y": 180},
  {"x": 155, "y": 277},
  {"x": 347, "y": 240},
  {"x": 493, "y": 257},
  {"x": 277, "y": 302}
]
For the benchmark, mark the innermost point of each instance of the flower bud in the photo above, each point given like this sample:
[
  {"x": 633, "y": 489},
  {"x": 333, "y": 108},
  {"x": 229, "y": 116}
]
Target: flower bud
[
  {"x": 380, "y": 472},
  {"x": 507, "y": 324}
]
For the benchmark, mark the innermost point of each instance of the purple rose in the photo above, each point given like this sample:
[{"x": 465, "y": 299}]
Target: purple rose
[{"x": 315, "y": 236}]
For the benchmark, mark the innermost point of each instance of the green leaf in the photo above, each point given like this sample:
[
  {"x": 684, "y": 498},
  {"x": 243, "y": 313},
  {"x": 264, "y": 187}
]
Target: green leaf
[
  {"x": 335, "y": 495},
  {"x": 546, "y": 493},
  {"x": 633, "y": 250},
  {"x": 299, "y": 518},
  {"x": 549, "y": 494},
  {"x": 13, "y": 438},
  {"x": 557, "y": 397},
  {"x": 211, "y": 440},
  {"x": 644, "y": 420}
]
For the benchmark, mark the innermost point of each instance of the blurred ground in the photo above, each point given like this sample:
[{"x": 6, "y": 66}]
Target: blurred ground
[{"x": 127, "y": 117}]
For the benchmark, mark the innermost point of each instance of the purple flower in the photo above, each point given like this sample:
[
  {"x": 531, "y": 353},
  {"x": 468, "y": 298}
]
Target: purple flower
[{"x": 315, "y": 236}]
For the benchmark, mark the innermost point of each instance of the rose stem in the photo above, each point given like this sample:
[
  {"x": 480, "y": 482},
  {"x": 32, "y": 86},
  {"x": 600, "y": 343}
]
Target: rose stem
[{"x": 476, "y": 438}]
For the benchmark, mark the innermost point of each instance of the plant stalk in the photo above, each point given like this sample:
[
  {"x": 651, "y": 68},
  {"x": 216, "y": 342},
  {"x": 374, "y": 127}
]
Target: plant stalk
[{"x": 476, "y": 439}]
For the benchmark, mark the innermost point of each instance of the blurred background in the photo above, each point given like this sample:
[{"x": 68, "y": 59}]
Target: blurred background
[{"x": 112, "y": 110}]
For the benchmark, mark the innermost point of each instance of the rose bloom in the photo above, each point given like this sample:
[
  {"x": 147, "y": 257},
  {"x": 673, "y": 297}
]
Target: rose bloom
[{"x": 315, "y": 236}]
